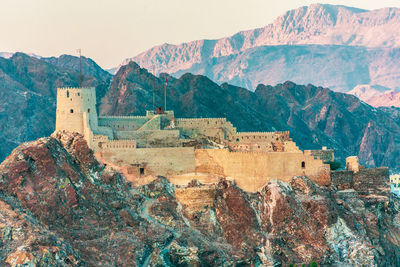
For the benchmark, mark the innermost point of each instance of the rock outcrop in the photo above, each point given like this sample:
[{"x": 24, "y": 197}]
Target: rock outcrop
[{"x": 59, "y": 206}]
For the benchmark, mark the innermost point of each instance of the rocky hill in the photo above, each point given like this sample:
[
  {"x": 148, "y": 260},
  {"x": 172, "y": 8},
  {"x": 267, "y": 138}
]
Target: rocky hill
[
  {"x": 333, "y": 46},
  {"x": 315, "y": 116},
  {"x": 28, "y": 94},
  {"x": 60, "y": 207}
]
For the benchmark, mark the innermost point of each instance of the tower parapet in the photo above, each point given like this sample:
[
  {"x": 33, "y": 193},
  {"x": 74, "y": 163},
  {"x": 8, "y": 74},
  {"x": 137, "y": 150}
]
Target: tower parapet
[
  {"x": 76, "y": 110},
  {"x": 72, "y": 103}
]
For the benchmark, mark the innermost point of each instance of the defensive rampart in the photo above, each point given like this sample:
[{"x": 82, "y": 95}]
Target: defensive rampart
[
  {"x": 252, "y": 170},
  {"x": 154, "y": 161},
  {"x": 156, "y": 138},
  {"x": 213, "y": 127},
  {"x": 123, "y": 123}
]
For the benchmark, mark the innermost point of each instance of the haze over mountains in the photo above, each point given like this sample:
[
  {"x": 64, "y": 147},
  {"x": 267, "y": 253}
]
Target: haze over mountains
[
  {"x": 333, "y": 46},
  {"x": 359, "y": 59}
]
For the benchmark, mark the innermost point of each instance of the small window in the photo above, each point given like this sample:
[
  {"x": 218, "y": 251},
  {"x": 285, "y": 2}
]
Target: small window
[
  {"x": 88, "y": 110},
  {"x": 303, "y": 164},
  {"x": 141, "y": 171},
  {"x": 71, "y": 111},
  {"x": 67, "y": 93},
  {"x": 79, "y": 94},
  {"x": 237, "y": 139}
]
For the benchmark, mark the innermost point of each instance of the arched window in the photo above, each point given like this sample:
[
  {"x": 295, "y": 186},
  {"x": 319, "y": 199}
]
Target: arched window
[
  {"x": 71, "y": 111},
  {"x": 303, "y": 164},
  {"x": 67, "y": 93},
  {"x": 88, "y": 110},
  {"x": 237, "y": 139}
]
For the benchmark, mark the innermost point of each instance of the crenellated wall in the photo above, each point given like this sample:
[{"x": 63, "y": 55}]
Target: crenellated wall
[
  {"x": 152, "y": 138},
  {"x": 120, "y": 123},
  {"x": 217, "y": 128}
]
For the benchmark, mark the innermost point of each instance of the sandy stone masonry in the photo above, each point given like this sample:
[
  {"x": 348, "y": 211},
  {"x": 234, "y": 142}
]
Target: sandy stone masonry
[{"x": 160, "y": 144}]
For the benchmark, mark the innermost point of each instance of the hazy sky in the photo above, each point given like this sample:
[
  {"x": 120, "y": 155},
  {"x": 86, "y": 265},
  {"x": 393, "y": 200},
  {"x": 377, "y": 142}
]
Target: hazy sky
[{"x": 109, "y": 31}]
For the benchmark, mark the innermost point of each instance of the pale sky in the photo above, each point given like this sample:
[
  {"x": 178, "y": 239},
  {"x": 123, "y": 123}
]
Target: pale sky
[{"x": 109, "y": 31}]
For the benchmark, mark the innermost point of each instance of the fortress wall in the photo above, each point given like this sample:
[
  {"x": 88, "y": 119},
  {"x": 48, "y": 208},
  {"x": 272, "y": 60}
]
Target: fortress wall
[
  {"x": 366, "y": 180},
  {"x": 291, "y": 146},
  {"x": 212, "y": 127},
  {"x": 152, "y": 124},
  {"x": 117, "y": 145},
  {"x": 326, "y": 155},
  {"x": 260, "y": 137},
  {"x": 158, "y": 138},
  {"x": 123, "y": 123},
  {"x": 200, "y": 122},
  {"x": 265, "y": 146},
  {"x": 252, "y": 170},
  {"x": 105, "y": 131},
  {"x": 156, "y": 161},
  {"x": 342, "y": 179}
]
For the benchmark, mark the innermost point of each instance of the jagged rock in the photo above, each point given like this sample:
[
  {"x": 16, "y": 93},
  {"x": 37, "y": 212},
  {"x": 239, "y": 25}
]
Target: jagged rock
[{"x": 60, "y": 206}]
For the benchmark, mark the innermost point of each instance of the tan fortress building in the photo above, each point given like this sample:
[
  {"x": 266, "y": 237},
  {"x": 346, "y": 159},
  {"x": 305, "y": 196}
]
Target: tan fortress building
[{"x": 186, "y": 149}]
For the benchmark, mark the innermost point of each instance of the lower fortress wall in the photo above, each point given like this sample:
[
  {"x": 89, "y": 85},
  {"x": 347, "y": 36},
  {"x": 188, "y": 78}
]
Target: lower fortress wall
[
  {"x": 155, "y": 161},
  {"x": 252, "y": 171},
  {"x": 368, "y": 180},
  {"x": 151, "y": 138}
]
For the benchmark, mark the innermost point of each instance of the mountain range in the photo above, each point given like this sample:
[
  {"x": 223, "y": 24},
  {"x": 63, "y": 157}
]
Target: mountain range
[
  {"x": 315, "y": 116},
  {"x": 333, "y": 46}
]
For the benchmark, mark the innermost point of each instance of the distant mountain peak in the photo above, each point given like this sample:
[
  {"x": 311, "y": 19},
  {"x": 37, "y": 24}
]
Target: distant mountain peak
[{"x": 305, "y": 45}]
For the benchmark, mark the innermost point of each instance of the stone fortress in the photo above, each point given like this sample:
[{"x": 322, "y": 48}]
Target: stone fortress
[{"x": 184, "y": 149}]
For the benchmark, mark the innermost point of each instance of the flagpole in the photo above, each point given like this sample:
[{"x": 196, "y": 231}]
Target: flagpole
[
  {"x": 154, "y": 85},
  {"x": 165, "y": 93}
]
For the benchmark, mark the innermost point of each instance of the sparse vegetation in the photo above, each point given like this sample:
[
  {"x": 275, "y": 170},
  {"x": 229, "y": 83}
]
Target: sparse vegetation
[{"x": 335, "y": 165}]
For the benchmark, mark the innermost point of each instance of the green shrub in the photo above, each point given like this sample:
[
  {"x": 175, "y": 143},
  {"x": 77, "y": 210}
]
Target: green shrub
[{"x": 334, "y": 165}]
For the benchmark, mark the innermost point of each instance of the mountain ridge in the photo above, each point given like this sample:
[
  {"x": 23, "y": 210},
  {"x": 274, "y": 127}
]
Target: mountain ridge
[
  {"x": 336, "y": 38},
  {"x": 299, "y": 26}
]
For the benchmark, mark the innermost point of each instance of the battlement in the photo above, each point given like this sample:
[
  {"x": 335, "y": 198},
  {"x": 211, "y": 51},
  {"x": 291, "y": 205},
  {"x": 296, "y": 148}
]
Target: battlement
[
  {"x": 122, "y": 117},
  {"x": 264, "y": 133},
  {"x": 75, "y": 88},
  {"x": 119, "y": 144},
  {"x": 200, "y": 119}
]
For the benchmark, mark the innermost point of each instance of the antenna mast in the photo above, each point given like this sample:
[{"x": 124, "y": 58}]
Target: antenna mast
[
  {"x": 154, "y": 88},
  {"x": 80, "y": 66},
  {"x": 165, "y": 93}
]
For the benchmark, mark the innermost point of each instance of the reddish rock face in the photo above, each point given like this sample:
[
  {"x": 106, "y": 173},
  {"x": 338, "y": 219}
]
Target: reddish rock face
[{"x": 58, "y": 205}]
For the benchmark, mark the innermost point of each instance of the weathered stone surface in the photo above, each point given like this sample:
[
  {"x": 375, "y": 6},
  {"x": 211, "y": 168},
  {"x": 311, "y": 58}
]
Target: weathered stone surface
[{"x": 59, "y": 206}]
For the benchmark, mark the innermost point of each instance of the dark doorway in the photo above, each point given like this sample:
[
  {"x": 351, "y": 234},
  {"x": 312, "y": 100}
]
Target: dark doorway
[{"x": 141, "y": 171}]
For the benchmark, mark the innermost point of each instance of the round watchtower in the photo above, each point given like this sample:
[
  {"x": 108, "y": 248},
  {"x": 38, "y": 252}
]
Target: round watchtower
[{"x": 76, "y": 109}]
